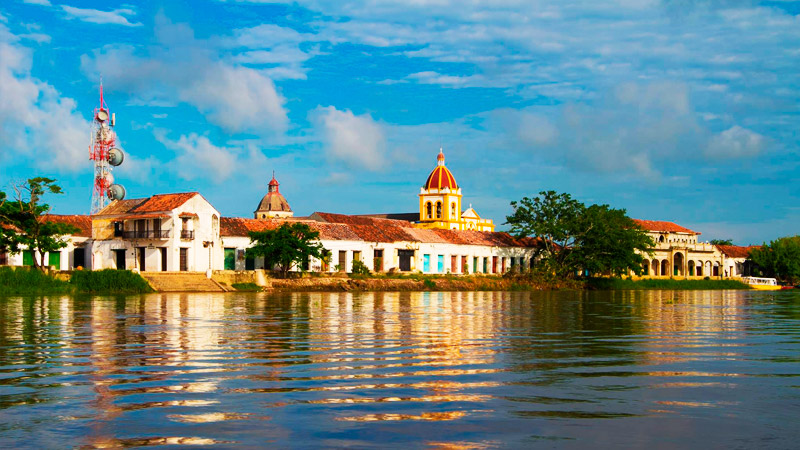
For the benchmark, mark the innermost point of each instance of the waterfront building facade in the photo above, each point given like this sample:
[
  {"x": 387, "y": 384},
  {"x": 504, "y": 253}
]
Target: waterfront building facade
[{"x": 677, "y": 252}]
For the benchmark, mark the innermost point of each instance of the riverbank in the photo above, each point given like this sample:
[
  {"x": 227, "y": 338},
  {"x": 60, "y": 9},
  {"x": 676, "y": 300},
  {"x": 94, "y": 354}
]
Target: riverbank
[
  {"x": 418, "y": 282},
  {"x": 25, "y": 281},
  {"x": 29, "y": 281}
]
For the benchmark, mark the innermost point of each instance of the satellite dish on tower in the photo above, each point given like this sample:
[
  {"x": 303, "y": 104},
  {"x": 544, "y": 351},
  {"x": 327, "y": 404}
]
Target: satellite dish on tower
[
  {"x": 115, "y": 156},
  {"x": 102, "y": 115},
  {"x": 116, "y": 192}
]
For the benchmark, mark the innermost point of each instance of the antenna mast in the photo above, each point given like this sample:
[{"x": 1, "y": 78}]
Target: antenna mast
[{"x": 105, "y": 154}]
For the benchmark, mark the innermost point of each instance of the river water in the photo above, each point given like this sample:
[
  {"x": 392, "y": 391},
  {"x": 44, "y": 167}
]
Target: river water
[{"x": 654, "y": 369}]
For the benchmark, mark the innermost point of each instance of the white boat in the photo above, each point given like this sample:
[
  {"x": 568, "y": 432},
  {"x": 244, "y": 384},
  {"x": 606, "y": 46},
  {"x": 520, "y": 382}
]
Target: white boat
[{"x": 762, "y": 284}]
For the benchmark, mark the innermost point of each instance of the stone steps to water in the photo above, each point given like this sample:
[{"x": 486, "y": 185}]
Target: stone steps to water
[{"x": 181, "y": 282}]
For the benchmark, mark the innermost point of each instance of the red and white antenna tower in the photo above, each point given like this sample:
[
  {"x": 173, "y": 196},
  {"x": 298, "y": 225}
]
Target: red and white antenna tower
[{"x": 105, "y": 154}]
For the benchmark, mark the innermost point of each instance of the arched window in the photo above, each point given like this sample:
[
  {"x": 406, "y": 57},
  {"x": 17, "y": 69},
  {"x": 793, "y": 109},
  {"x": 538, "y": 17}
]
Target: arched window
[
  {"x": 661, "y": 239},
  {"x": 438, "y": 210},
  {"x": 453, "y": 215},
  {"x": 428, "y": 210}
]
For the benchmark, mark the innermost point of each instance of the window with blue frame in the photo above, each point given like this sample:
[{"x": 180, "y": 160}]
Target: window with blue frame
[
  {"x": 440, "y": 264},
  {"x": 426, "y": 263}
]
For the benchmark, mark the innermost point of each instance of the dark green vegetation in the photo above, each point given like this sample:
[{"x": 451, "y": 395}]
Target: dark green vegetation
[
  {"x": 721, "y": 242},
  {"x": 359, "y": 268},
  {"x": 22, "y": 221},
  {"x": 27, "y": 281},
  {"x": 247, "y": 287},
  {"x": 24, "y": 281},
  {"x": 779, "y": 259},
  {"x": 575, "y": 238},
  {"x": 666, "y": 284},
  {"x": 109, "y": 281},
  {"x": 286, "y": 246}
]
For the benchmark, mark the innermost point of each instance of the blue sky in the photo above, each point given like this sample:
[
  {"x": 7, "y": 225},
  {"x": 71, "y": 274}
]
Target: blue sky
[{"x": 677, "y": 110}]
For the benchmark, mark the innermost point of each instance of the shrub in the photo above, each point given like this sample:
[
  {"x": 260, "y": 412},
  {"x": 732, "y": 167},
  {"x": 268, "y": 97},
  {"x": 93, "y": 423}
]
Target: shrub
[
  {"x": 109, "y": 281},
  {"x": 247, "y": 287},
  {"x": 24, "y": 280},
  {"x": 429, "y": 284},
  {"x": 359, "y": 268}
]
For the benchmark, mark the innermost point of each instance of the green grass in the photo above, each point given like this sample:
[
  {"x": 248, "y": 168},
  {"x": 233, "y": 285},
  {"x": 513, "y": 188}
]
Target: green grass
[
  {"x": 29, "y": 281},
  {"x": 247, "y": 287},
  {"x": 109, "y": 281},
  {"x": 667, "y": 284}
]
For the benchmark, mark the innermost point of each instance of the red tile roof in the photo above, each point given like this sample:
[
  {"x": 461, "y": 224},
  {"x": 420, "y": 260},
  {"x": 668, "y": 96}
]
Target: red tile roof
[
  {"x": 120, "y": 206},
  {"x": 736, "y": 251},
  {"x": 163, "y": 202},
  {"x": 237, "y": 226},
  {"x": 83, "y": 223},
  {"x": 658, "y": 225}
]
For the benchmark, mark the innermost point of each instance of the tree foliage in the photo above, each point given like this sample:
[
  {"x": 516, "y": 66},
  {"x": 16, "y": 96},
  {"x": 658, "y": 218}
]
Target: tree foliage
[
  {"x": 575, "y": 237},
  {"x": 779, "y": 259},
  {"x": 286, "y": 246},
  {"x": 721, "y": 242},
  {"x": 24, "y": 223}
]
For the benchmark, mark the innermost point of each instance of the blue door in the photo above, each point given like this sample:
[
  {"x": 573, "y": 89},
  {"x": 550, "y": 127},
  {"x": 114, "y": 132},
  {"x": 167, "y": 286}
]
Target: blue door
[
  {"x": 426, "y": 263},
  {"x": 440, "y": 264}
]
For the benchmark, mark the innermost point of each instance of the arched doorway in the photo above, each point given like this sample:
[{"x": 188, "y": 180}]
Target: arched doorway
[
  {"x": 655, "y": 267},
  {"x": 665, "y": 268},
  {"x": 677, "y": 265},
  {"x": 716, "y": 269},
  {"x": 691, "y": 267},
  {"x": 645, "y": 267}
]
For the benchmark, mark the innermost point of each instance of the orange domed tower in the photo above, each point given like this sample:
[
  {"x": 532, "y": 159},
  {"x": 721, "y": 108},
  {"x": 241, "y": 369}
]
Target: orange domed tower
[
  {"x": 273, "y": 204},
  {"x": 440, "y": 202}
]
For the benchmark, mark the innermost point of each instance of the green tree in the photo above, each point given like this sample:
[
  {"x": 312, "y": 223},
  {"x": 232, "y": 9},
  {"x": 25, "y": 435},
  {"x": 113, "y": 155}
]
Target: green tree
[
  {"x": 721, "y": 241},
  {"x": 779, "y": 259},
  {"x": 25, "y": 223},
  {"x": 286, "y": 245},
  {"x": 610, "y": 242},
  {"x": 9, "y": 237},
  {"x": 554, "y": 218},
  {"x": 574, "y": 237}
]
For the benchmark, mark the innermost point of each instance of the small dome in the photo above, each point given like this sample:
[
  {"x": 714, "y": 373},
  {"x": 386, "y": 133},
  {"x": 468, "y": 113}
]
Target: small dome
[
  {"x": 273, "y": 202},
  {"x": 441, "y": 177}
]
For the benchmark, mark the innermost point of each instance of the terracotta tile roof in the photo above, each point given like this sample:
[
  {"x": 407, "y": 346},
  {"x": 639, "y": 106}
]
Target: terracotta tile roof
[
  {"x": 357, "y": 220},
  {"x": 237, "y": 226},
  {"x": 144, "y": 216},
  {"x": 736, "y": 251},
  {"x": 410, "y": 217},
  {"x": 372, "y": 229},
  {"x": 658, "y": 225},
  {"x": 120, "y": 206},
  {"x": 83, "y": 223},
  {"x": 163, "y": 202},
  {"x": 188, "y": 215}
]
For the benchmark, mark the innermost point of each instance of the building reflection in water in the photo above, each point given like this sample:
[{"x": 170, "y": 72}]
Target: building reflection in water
[{"x": 193, "y": 361}]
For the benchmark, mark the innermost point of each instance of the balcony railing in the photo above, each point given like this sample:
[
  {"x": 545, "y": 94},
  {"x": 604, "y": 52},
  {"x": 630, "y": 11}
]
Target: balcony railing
[
  {"x": 187, "y": 234},
  {"x": 148, "y": 234}
]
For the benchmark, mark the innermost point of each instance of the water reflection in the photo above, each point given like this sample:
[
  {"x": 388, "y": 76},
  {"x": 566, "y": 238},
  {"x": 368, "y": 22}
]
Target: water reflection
[{"x": 315, "y": 369}]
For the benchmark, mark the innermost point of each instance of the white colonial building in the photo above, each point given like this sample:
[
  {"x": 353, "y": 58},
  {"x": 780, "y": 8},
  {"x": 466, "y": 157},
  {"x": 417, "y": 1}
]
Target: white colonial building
[{"x": 166, "y": 232}]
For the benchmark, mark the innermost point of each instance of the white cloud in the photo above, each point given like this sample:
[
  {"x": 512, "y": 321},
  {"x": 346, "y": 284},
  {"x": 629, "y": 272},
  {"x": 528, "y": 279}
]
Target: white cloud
[
  {"x": 181, "y": 68},
  {"x": 198, "y": 158},
  {"x": 237, "y": 98},
  {"x": 735, "y": 142},
  {"x": 36, "y": 122},
  {"x": 38, "y": 2},
  {"x": 115, "y": 17},
  {"x": 358, "y": 141}
]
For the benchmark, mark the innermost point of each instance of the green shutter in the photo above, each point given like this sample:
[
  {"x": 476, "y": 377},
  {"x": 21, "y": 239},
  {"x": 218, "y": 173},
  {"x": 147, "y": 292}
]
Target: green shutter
[{"x": 54, "y": 260}]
